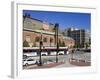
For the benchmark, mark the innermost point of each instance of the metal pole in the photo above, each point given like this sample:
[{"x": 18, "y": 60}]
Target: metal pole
[
  {"x": 55, "y": 36},
  {"x": 56, "y": 31},
  {"x": 80, "y": 39},
  {"x": 40, "y": 61}
]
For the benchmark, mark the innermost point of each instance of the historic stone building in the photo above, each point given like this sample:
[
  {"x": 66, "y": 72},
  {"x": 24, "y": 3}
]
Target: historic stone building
[{"x": 33, "y": 29}]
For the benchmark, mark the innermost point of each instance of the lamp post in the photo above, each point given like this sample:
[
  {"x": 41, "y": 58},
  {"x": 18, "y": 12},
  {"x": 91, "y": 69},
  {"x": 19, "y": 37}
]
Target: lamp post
[
  {"x": 41, "y": 44},
  {"x": 56, "y": 40}
]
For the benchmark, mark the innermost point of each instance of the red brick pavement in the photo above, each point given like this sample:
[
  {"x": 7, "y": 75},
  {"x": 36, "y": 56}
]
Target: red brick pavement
[
  {"x": 47, "y": 65},
  {"x": 79, "y": 62}
]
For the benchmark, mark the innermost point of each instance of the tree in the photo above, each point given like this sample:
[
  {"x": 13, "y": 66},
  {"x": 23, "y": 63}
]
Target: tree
[
  {"x": 45, "y": 39},
  {"x": 34, "y": 45},
  {"x": 37, "y": 39},
  {"x": 63, "y": 44},
  {"x": 86, "y": 45},
  {"x": 25, "y": 44},
  {"x": 60, "y": 44},
  {"x": 51, "y": 40}
]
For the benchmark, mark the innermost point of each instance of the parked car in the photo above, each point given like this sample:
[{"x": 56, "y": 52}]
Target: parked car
[
  {"x": 29, "y": 61},
  {"x": 32, "y": 54},
  {"x": 44, "y": 53},
  {"x": 61, "y": 53},
  {"x": 24, "y": 56}
]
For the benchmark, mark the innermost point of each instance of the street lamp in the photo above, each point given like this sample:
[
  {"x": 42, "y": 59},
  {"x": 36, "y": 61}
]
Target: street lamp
[
  {"x": 41, "y": 44},
  {"x": 56, "y": 40}
]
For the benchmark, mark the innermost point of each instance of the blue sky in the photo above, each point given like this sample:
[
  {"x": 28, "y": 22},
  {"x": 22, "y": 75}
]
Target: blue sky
[{"x": 65, "y": 19}]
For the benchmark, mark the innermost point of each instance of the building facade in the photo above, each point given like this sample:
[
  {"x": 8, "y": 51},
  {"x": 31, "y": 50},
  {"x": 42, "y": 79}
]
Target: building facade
[
  {"x": 81, "y": 37},
  {"x": 33, "y": 29}
]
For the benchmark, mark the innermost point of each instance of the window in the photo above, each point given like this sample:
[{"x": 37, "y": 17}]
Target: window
[
  {"x": 37, "y": 39},
  {"x": 30, "y": 60},
  {"x": 45, "y": 39},
  {"x": 28, "y": 38},
  {"x": 51, "y": 40}
]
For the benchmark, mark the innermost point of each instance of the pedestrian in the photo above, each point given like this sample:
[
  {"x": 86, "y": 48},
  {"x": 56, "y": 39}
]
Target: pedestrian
[
  {"x": 72, "y": 53},
  {"x": 72, "y": 50}
]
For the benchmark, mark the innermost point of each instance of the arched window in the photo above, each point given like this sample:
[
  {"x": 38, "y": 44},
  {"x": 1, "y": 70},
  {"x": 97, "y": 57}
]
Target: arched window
[
  {"x": 51, "y": 40},
  {"x": 60, "y": 42},
  {"x": 45, "y": 40},
  {"x": 63, "y": 44},
  {"x": 28, "y": 38},
  {"x": 37, "y": 39}
]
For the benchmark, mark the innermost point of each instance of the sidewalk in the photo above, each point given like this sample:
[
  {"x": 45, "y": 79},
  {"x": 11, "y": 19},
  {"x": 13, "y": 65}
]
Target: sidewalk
[
  {"x": 74, "y": 63},
  {"x": 79, "y": 62},
  {"x": 66, "y": 64},
  {"x": 51, "y": 65}
]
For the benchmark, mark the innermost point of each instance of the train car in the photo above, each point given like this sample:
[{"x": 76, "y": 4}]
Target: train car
[{"x": 45, "y": 51}]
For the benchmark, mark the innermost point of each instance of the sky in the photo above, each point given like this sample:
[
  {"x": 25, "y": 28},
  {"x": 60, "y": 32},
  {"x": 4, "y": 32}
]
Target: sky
[{"x": 64, "y": 19}]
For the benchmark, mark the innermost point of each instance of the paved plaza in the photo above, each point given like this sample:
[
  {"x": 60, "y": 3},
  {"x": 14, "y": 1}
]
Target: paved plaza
[{"x": 78, "y": 58}]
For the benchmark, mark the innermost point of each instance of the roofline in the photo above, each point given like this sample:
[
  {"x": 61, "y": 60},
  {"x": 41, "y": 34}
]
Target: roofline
[{"x": 34, "y": 19}]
